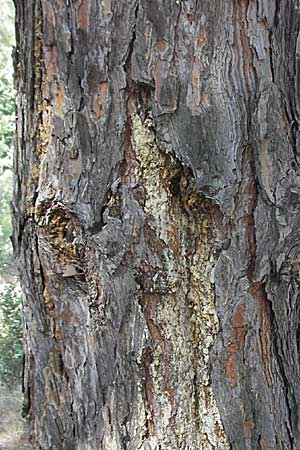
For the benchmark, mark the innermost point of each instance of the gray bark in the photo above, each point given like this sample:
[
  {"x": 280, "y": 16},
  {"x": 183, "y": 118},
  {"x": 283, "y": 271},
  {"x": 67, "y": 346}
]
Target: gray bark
[{"x": 156, "y": 223}]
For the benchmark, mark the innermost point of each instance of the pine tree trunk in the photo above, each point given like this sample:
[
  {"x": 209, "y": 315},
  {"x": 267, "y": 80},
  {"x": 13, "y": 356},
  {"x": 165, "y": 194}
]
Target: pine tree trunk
[{"x": 156, "y": 223}]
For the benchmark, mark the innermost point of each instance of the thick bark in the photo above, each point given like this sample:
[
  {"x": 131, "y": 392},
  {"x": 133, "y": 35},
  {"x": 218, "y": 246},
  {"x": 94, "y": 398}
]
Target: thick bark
[{"x": 156, "y": 222}]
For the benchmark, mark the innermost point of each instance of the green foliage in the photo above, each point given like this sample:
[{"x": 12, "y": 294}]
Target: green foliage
[
  {"x": 5, "y": 221},
  {"x": 10, "y": 334},
  {"x": 7, "y": 120},
  {"x": 10, "y": 309},
  {"x": 7, "y": 92},
  {"x": 7, "y": 114}
]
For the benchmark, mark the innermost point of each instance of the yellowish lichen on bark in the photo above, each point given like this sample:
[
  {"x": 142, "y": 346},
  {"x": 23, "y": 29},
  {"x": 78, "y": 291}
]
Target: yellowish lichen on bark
[
  {"x": 42, "y": 106},
  {"x": 182, "y": 319},
  {"x": 41, "y": 130}
]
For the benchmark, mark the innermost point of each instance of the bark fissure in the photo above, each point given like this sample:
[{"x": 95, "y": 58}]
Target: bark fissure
[{"x": 256, "y": 287}]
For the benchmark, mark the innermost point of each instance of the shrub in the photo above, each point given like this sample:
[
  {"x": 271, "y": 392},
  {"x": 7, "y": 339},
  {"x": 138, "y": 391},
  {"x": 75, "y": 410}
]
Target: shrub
[{"x": 10, "y": 334}]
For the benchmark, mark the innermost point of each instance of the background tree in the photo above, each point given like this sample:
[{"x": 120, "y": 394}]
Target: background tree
[
  {"x": 10, "y": 302},
  {"x": 156, "y": 220},
  {"x": 7, "y": 127}
]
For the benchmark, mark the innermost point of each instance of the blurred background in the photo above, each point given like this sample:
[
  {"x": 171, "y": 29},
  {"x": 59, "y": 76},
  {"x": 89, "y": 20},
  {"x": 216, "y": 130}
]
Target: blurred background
[{"x": 12, "y": 426}]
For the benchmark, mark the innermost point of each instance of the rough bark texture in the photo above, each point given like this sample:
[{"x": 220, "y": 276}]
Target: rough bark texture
[{"x": 156, "y": 222}]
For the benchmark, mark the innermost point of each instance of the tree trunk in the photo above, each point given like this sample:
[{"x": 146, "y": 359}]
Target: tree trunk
[{"x": 156, "y": 222}]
